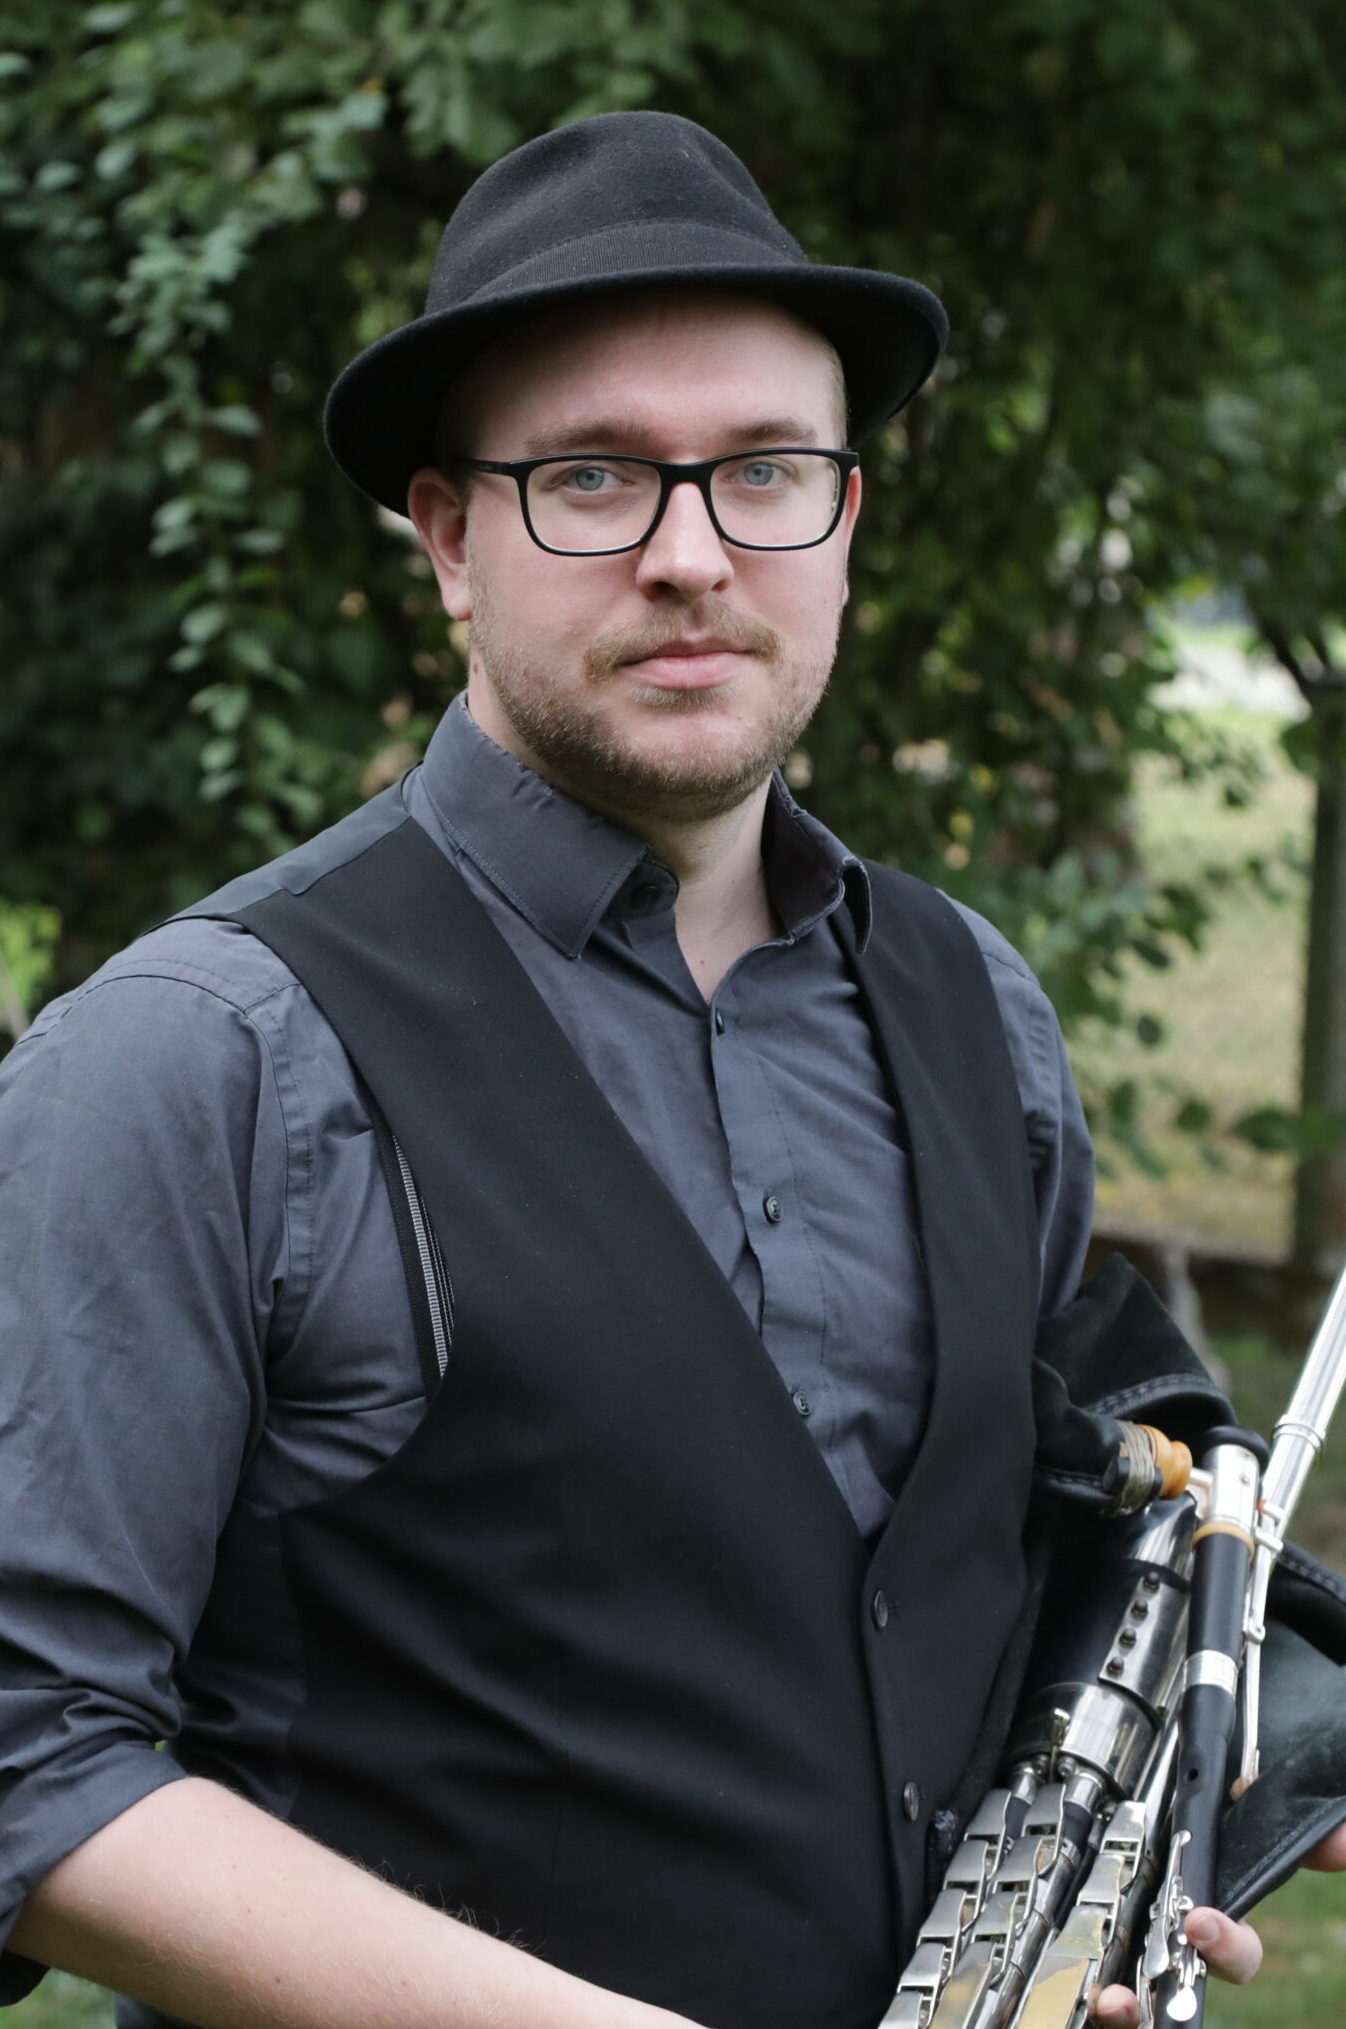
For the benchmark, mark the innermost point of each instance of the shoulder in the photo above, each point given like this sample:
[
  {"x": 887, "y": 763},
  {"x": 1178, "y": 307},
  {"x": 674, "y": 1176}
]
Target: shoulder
[
  {"x": 196, "y": 1032},
  {"x": 1057, "y": 1133},
  {"x": 1018, "y": 992},
  {"x": 230, "y": 978},
  {"x": 1016, "y": 985},
  {"x": 1027, "y": 1016},
  {"x": 188, "y": 986},
  {"x": 1031, "y": 1028},
  {"x": 220, "y": 959}
]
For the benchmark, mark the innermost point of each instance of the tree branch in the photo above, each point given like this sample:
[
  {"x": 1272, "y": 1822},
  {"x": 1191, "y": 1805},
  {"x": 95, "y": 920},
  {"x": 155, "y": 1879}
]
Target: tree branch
[{"x": 1281, "y": 646}]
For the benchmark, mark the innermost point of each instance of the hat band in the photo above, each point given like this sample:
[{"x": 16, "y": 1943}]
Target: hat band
[{"x": 652, "y": 246}]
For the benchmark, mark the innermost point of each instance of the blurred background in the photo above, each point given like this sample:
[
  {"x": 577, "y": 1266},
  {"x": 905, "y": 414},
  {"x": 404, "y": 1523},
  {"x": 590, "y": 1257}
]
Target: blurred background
[{"x": 1093, "y": 678}]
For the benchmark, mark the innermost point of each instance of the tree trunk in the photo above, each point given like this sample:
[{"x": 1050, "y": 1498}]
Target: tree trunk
[{"x": 1320, "y": 1187}]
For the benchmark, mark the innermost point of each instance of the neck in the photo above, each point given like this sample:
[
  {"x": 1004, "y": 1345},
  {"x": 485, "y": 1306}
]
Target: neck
[{"x": 722, "y": 908}]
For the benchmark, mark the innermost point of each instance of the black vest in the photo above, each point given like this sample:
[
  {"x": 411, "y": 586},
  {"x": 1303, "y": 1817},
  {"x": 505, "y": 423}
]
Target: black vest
[{"x": 599, "y": 1655}]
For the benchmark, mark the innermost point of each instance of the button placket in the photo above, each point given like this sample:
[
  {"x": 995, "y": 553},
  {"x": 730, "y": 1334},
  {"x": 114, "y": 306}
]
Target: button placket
[{"x": 752, "y": 1084}]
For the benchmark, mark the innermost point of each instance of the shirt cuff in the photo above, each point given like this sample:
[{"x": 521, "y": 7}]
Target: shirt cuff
[{"x": 48, "y": 1814}]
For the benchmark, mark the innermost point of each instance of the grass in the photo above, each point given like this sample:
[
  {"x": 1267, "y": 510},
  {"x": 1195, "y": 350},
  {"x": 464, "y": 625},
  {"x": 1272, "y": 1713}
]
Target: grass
[
  {"x": 1229, "y": 1014},
  {"x": 62, "y": 2002}
]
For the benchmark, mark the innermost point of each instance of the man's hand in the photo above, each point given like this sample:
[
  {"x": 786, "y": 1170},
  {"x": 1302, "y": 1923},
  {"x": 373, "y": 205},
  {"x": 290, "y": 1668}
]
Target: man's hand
[
  {"x": 1232, "y": 1951},
  {"x": 1329, "y": 1855}
]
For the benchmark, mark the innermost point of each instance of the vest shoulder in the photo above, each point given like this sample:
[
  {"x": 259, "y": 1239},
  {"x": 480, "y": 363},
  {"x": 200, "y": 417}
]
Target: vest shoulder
[
  {"x": 995, "y": 947},
  {"x": 298, "y": 870},
  {"x": 923, "y": 898}
]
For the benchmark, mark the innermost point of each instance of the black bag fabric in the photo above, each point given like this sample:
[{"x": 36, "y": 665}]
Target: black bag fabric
[{"x": 1114, "y": 1352}]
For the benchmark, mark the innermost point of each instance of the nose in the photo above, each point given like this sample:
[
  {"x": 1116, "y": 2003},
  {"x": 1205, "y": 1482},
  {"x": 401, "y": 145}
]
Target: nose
[{"x": 684, "y": 553}]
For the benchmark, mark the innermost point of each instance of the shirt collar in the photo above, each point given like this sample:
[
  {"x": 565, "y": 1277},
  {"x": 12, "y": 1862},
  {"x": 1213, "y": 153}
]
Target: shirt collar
[
  {"x": 562, "y": 866},
  {"x": 808, "y": 870}
]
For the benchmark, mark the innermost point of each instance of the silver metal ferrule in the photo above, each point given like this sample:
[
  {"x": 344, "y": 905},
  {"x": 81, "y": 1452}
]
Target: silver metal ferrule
[
  {"x": 1209, "y": 1666},
  {"x": 1232, "y": 1500}
]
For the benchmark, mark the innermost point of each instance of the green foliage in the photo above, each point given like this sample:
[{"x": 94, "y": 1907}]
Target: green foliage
[
  {"x": 27, "y": 940},
  {"x": 211, "y": 645}
]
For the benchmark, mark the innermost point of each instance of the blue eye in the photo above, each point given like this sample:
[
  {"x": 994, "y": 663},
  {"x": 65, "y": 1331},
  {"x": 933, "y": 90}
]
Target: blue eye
[
  {"x": 761, "y": 473},
  {"x": 588, "y": 480}
]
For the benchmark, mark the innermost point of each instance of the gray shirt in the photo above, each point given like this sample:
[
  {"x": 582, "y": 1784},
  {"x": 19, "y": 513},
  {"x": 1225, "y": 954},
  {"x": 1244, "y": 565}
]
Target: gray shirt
[{"x": 202, "y": 1307}]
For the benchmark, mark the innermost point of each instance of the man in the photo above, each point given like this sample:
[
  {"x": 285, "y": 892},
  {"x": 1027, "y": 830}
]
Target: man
[{"x": 522, "y": 1580}]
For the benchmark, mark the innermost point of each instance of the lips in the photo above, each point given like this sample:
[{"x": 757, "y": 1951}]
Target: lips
[
  {"x": 693, "y": 663},
  {"x": 686, "y": 645}
]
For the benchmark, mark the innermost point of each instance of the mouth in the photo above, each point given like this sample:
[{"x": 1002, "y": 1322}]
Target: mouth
[{"x": 688, "y": 663}]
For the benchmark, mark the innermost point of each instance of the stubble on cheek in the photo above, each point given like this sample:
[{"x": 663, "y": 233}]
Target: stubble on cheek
[{"x": 589, "y": 751}]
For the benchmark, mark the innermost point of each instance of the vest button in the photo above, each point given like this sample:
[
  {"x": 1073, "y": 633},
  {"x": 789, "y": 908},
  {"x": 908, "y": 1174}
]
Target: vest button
[
  {"x": 911, "y": 1801},
  {"x": 719, "y": 1023},
  {"x": 773, "y": 1208},
  {"x": 878, "y": 1609},
  {"x": 801, "y": 1402}
]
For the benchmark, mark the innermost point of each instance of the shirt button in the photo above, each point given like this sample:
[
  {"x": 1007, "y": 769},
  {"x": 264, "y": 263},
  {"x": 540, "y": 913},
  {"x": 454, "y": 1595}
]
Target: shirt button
[
  {"x": 646, "y": 895},
  {"x": 878, "y": 1609},
  {"x": 773, "y": 1208},
  {"x": 911, "y": 1801},
  {"x": 719, "y": 1023},
  {"x": 801, "y": 1402}
]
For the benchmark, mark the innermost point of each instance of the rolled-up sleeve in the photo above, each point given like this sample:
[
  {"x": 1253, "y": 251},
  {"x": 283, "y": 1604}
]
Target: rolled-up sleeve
[{"x": 143, "y": 1237}]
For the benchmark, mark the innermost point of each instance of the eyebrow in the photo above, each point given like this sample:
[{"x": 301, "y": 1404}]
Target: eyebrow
[{"x": 598, "y": 433}]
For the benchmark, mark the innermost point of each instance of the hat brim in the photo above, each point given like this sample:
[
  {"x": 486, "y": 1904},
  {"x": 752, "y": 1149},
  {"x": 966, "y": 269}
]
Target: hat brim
[{"x": 381, "y": 412}]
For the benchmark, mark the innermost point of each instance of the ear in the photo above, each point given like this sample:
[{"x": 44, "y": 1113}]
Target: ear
[
  {"x": 849, "y": 516},
  {"x": 439, "y": 512}
]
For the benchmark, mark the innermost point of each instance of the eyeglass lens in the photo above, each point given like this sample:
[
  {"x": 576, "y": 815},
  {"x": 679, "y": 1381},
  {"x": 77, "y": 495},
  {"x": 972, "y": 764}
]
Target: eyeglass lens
[{"x": 773, "y": 502}]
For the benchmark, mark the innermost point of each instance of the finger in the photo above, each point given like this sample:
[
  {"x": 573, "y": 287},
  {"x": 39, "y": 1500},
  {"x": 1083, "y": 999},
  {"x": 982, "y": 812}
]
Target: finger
[
  {"x": 1114, "y": 2008},
  {"x": 1330, "y": 1853},
  {"x": 1232, "y": 1951}
]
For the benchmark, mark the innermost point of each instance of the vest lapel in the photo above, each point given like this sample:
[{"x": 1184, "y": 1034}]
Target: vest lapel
[
  {"x": 960, "y": 1577},
  {"x": 942, "y": 1041}
]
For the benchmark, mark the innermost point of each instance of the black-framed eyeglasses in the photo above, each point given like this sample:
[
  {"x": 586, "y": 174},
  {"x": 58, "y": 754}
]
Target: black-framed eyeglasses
[{"x": 591, "y": 505}]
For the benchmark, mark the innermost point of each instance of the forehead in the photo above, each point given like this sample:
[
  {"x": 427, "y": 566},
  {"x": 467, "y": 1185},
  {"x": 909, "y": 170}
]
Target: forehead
[{"x": 651, "y": 365}]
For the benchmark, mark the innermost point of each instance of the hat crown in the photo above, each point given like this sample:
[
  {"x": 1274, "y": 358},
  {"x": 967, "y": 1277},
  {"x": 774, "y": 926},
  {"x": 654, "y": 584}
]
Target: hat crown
[
  {"x": 597, "y": 176},
  {"x": 618, "y": 202}
]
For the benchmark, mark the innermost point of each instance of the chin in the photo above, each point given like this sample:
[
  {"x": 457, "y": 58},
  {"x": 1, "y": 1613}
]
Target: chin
[
  {"x": 688, "y": 780},
  {"x": 676, "y": 754}
]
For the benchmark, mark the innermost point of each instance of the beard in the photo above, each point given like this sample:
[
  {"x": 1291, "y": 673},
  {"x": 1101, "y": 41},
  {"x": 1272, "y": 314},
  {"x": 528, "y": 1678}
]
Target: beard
[{"x": 588, "y": 755}]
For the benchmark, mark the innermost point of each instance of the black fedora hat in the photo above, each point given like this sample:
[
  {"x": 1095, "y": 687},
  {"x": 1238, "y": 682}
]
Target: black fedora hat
[{"x": 621, "y": 201}]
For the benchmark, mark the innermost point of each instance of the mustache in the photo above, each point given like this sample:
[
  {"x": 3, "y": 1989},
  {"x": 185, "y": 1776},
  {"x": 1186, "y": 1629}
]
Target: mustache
[{"x": 607, "y": 652}]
